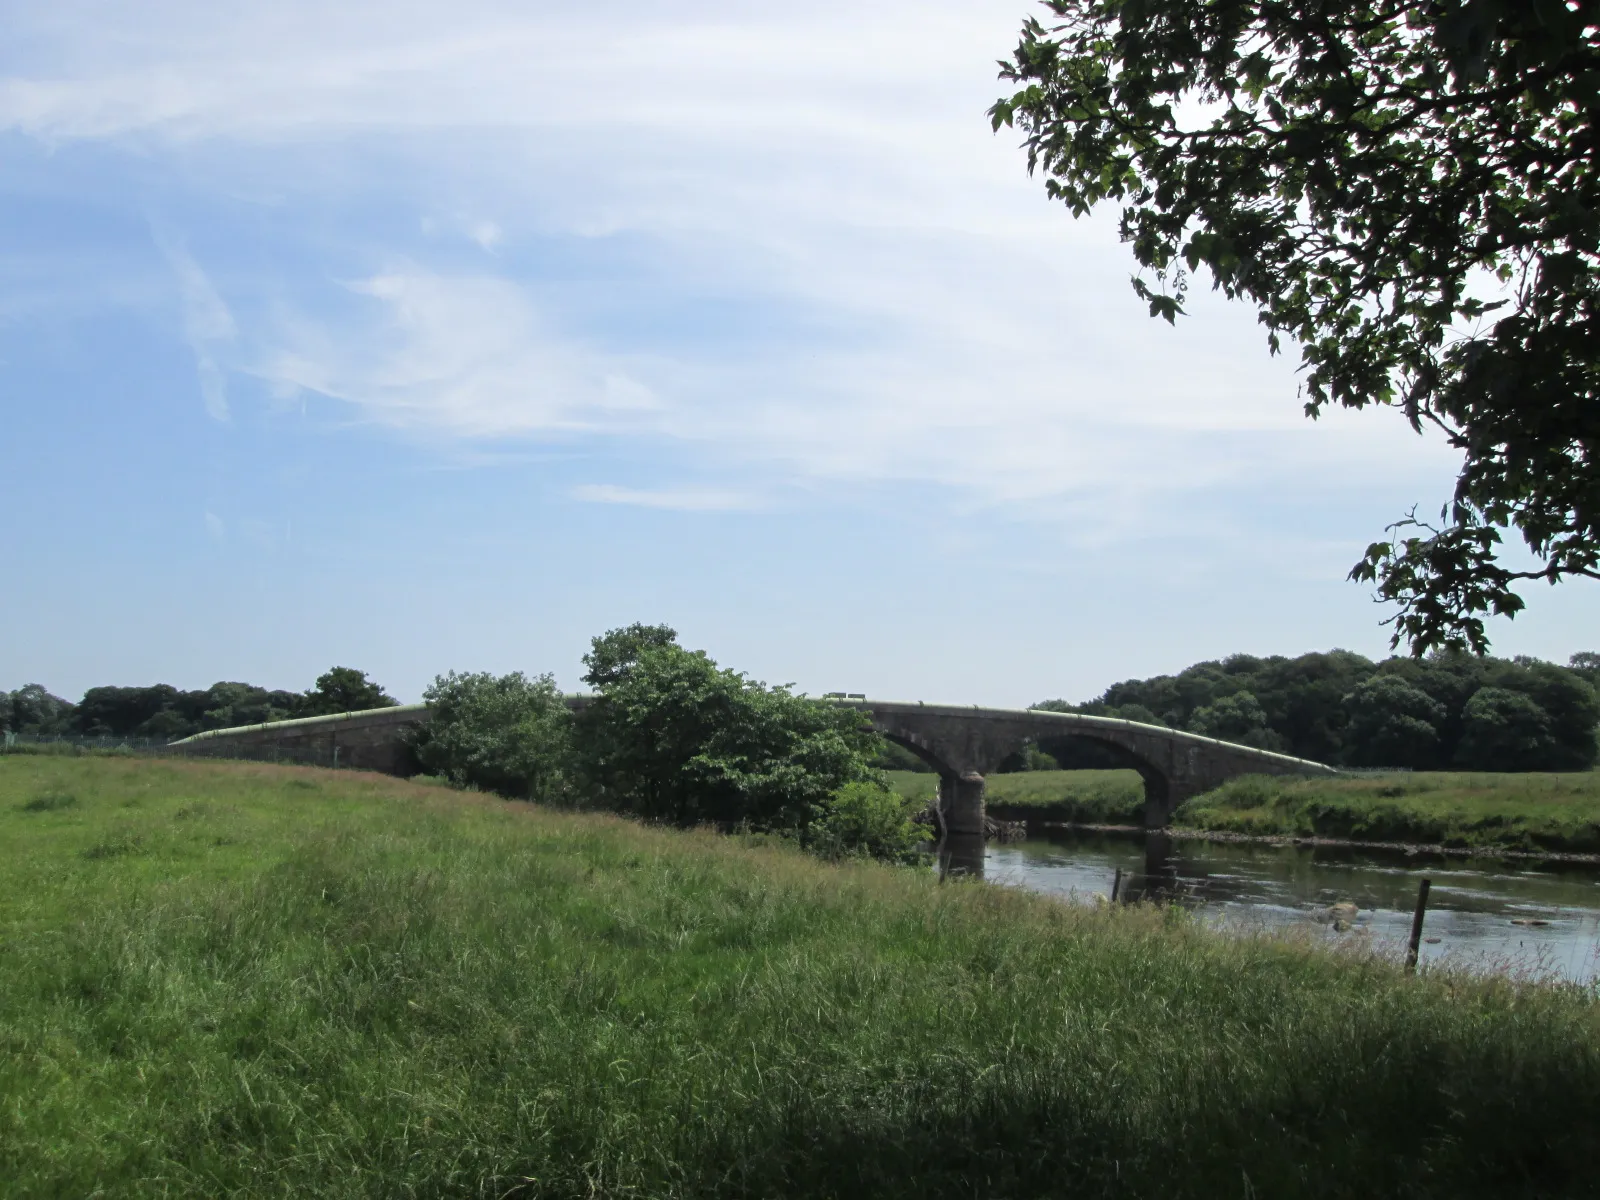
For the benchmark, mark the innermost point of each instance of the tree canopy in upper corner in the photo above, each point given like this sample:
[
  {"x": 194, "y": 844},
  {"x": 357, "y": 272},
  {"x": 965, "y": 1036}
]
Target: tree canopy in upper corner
[{"x": 1408, "y": 191}]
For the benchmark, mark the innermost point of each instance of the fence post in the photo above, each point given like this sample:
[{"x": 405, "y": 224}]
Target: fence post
[
  {"x": 1416, "y": 926},
  {"x": 1116, "y": 885}
]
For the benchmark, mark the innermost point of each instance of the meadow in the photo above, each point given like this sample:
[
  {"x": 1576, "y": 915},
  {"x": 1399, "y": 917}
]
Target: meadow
[
  {"x": 258, "y": 980},
  {"x": 1527, "y": 812},
  {"x": 1091, "y": 797},
  {"x": 1520, "y": 812}
]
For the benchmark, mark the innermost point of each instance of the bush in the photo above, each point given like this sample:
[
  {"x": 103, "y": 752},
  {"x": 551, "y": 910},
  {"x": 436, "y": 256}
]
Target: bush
[
  {"x": 865, "y": 820},
  {"x": 507, "y": 734},
  {"x": 670, "y": 736}
]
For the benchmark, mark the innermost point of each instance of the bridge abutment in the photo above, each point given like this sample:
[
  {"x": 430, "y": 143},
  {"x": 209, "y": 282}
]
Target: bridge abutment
[{"x": 961, "y": 802}]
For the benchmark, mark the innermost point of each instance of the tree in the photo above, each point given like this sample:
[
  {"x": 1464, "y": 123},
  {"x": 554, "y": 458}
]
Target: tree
[
  {"x": 35, "y": 710},
  {"x": 343, "y": 689},
  {"x": 1236, "y": 718},
  {"x": 1504, "y": 731},
  {"x": 122, "y": 711},
  {"x": 1392, "y": 724},
  {"x": 1568, "y": 702},
  {"x": 1410, "y": 192},
  {"x": 1587, "y": 664},
  {"x": 226, "y": 704},
  {"x": 671, "y": 736},
  {"x": 612, "y": 655},
  {"x": 506, "y": 734},
  {"x": 1316, "y": 705}
]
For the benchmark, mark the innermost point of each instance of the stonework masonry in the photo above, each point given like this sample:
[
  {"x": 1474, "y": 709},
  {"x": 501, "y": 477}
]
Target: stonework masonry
[{"x": 375, "y": 740}]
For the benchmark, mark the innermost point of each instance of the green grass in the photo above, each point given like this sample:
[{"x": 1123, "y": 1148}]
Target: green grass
[
  {"x": 1093, "y": 797},
  {"x": 1526, "y": 812},
  {"x": 1488, "y": 811},
  {"x": 251, "y": 980}
]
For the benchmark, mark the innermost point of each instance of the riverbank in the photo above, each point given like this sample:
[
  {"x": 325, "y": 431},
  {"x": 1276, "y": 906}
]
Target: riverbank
[
  {"x": 1538, "y": 815},
  {"x": 239, "y": 978},
  {"x": 1419, "y": 849},
  {"x": 1106, "y": 797}
]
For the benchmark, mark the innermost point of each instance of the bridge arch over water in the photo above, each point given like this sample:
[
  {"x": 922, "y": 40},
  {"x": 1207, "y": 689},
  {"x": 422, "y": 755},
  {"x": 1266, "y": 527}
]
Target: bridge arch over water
[{"x": 964, "y": 744}]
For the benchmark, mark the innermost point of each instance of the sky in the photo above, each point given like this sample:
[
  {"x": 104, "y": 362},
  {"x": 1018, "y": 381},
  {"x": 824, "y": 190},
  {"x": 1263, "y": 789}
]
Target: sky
[{"x": 417, "y": 336}]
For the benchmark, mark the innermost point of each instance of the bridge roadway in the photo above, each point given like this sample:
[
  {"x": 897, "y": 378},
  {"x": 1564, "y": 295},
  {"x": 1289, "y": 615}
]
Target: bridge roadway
[{"x": 962, "y": 743}]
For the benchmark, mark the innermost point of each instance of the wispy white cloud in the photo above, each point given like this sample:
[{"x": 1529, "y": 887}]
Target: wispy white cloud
[
  {"x": 933, "y": 319},
  {"x": 465, "y": 356},
  {"x": 681, "y": 499},
  {"x": 208, "y": 325}
]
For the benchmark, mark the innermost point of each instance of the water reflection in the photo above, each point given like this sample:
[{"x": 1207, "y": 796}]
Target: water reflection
[
  {"x": 1159, "y": 880},
  {"x": 961, "y": 854},
  {"x": 1486, "y": 913}
]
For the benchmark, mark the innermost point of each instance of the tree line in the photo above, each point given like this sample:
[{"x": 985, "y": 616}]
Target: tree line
[
  {"x": 1445, "y": 711},
  {"x": 668, "y": 735},
  {"x": 164, "y": 712}
]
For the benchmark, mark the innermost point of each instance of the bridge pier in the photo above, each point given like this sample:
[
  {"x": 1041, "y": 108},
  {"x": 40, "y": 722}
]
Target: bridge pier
[
  {"x": 1158, "y": 798},
  {"x": 961, "y": 803}
]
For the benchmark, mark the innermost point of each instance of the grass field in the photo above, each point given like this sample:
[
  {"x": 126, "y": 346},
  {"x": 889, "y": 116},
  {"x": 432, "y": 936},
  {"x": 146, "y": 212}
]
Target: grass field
[
  {"x": 1524, "y": 812},
  {"x": 1095, "y": 797},
  {"x": 1517, "y": 812},
  {"x": 241, "y": 979}
]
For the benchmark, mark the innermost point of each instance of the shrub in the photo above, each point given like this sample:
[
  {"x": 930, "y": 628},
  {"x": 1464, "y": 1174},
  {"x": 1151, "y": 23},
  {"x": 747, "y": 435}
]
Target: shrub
[
  {"x": 670, "y": 736},
  {"x": 866, "y": 819},
  {"x": 507, "y": 734}
]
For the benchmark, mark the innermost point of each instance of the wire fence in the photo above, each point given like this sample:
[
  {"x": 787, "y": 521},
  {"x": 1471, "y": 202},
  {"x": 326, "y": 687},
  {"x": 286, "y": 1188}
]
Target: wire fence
[{"x": 67, "y": 743}]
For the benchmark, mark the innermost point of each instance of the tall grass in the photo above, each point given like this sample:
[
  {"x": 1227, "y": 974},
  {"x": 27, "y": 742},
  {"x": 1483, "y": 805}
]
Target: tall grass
[
  {"x": 296, "y": 981},
  {"x": 1524, "y": 811}
]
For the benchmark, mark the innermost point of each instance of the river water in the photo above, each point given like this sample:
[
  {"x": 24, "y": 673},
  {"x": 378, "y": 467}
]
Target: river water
[{"x": 1524, "y": 916}]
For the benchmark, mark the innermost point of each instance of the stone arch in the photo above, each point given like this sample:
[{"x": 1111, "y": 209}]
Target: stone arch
[
  {"x": 915, "y": 744},
  {"x": 1157, "y": 784},
  {"x": 958, "y": 792}
]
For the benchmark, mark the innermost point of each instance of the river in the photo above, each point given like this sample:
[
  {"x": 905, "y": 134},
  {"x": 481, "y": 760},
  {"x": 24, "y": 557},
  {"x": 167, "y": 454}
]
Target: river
[{"x": 1523, "y": 916}]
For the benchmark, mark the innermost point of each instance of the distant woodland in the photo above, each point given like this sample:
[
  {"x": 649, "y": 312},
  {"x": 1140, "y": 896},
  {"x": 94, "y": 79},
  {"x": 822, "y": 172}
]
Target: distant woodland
[
  {"x": 1447, "y": 711},
  {"x": 1444, "y": 711},
  {"x": 165, "y": 712},
  {"x": 1454, "y": 711}
]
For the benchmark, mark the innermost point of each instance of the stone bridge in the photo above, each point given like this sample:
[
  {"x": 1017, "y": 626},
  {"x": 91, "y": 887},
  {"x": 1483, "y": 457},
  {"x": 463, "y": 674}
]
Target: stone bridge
[{"x": 963, "y": 744}]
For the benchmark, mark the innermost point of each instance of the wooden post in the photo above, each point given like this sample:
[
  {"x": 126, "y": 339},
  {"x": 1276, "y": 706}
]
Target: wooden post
[
  {"x": 1116, "y": 885},
  {"x": 1416, "y": 926}
]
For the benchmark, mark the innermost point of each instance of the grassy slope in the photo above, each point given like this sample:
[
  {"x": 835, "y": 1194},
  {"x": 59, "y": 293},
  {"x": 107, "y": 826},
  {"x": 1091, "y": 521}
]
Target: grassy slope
[
  {"x": 1551, "y": 812},
  {"x": 238, "y": 978}
]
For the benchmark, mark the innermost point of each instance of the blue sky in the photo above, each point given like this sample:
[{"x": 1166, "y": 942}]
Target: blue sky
[{"x": 418, "y": 336}]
